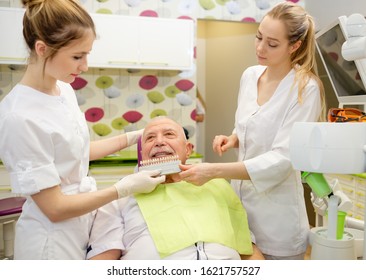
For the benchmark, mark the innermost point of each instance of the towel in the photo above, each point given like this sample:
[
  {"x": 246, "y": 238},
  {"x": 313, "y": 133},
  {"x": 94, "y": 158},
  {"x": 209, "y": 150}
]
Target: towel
[{"x": 181, "y": 214}]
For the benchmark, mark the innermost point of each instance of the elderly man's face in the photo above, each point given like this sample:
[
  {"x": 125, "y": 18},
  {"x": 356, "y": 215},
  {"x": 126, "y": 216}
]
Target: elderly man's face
[{"x": 164, "y": 137}]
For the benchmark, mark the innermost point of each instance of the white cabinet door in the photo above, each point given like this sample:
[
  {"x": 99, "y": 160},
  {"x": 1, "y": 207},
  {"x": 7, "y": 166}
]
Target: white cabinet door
[
  {"x": 122, "y": 41},
  {"x": 166, "y": 43},
  {"x": 116, "y": 44},
  {"x": 12, "y": 47},
  {"x": 142, "y": 43}
]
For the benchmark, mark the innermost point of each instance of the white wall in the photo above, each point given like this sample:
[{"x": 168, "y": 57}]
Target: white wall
[
  {"x": 201, "y": 84},
  {"x": 224, "y": 50},
  {"x": 326, "y": 11}
]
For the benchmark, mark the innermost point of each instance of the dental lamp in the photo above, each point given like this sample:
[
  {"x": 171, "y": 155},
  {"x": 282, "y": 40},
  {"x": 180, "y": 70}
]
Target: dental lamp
[
  {"x": 331, "y": 147},
  {"x": 355, "y": 46}
]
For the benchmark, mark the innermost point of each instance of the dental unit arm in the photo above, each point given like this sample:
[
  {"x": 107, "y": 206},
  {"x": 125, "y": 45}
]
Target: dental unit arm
[
  {"x": 327, "y": 199},
  {"x": 321, "y": 204}
]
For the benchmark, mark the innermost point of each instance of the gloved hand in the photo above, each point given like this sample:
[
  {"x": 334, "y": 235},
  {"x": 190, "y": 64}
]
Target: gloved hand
[
  {"x": 133, "y": 136},
  {"x": 142, "y": 182}
]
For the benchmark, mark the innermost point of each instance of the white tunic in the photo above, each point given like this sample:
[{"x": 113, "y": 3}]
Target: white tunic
[
  {"x": 46, "y": 143},
  {"x": 274, "y": 197}
]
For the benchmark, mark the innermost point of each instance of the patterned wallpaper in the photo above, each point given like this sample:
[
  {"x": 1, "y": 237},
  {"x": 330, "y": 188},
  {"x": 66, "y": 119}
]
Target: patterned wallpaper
[{"x": 119, "y": 100}]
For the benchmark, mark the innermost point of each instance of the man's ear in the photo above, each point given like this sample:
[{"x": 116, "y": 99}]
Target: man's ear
[
  {"x": 40, "y": 48},
  {"x": 189, "y": 149}
]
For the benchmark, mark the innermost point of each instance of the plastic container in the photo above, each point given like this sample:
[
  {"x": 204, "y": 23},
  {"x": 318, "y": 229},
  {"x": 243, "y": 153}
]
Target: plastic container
[
  {"x": 326, "y": 249},
  {"x": 358, "y": 236}
]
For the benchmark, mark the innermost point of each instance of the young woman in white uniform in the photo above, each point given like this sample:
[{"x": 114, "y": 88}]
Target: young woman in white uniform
[
  {"x": 45, "y": 143},
  {"x": 282, "y": 90}
]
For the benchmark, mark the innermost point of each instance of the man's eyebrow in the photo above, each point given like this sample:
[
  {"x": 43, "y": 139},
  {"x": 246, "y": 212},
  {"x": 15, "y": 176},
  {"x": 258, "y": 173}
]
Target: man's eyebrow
[{"x": 149, "y": 133}]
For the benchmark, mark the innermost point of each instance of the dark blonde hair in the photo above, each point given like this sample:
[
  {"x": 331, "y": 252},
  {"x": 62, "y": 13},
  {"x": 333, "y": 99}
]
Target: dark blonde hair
[
  {"x": 55, "y": 22},
  {"x": 300, "y": 27}
]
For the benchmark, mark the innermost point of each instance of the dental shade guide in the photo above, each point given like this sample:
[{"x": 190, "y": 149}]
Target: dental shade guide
[{"x": 167, "y": 165}]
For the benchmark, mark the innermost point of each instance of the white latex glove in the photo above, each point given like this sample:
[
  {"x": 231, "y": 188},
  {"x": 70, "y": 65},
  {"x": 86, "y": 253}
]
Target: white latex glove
[
  {"x": 133, "y": 136},
  {"x": 142, "y": 182}
]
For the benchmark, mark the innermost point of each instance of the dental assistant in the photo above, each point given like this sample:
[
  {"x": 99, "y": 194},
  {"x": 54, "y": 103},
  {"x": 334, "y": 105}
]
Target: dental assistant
[
  {"x": 45, "y": 142},
  {"x": 281, "y": 90}
]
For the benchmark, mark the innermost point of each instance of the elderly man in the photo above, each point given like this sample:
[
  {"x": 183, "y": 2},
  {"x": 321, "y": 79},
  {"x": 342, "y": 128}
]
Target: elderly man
[{"x": 177, "y": 220}]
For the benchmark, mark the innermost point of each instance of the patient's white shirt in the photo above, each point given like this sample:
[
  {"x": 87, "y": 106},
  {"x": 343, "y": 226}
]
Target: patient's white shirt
[{"x": 120, "y": 225}]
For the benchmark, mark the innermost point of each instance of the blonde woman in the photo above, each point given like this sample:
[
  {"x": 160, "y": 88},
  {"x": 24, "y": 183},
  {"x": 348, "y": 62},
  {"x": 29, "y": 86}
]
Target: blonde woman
[{"x": 281, "y": 90}]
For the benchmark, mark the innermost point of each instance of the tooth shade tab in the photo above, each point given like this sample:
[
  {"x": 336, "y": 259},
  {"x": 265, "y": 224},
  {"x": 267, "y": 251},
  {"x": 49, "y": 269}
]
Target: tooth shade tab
[{"x": 167, "y": 165}]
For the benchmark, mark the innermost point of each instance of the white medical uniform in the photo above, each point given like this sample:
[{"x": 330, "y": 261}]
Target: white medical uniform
[
  {"x": 46, "y": 143},
  {"x": 120, "y": 225},
  {"x": 273, "y": 198}
]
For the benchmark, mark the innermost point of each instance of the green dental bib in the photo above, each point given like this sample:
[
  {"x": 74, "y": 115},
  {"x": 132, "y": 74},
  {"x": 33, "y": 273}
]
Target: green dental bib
[{"x": 181, "y": 214}]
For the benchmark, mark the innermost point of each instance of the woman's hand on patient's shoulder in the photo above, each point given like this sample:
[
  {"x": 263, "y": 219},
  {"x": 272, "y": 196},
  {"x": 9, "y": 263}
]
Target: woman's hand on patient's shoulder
[{"x": 197, "y": 174}]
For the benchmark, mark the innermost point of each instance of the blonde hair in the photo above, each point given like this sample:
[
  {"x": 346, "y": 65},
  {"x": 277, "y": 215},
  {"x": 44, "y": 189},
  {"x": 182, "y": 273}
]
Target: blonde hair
[
  {"x": 55, "y": 22},
  {"x": 300, "y": 27}
]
